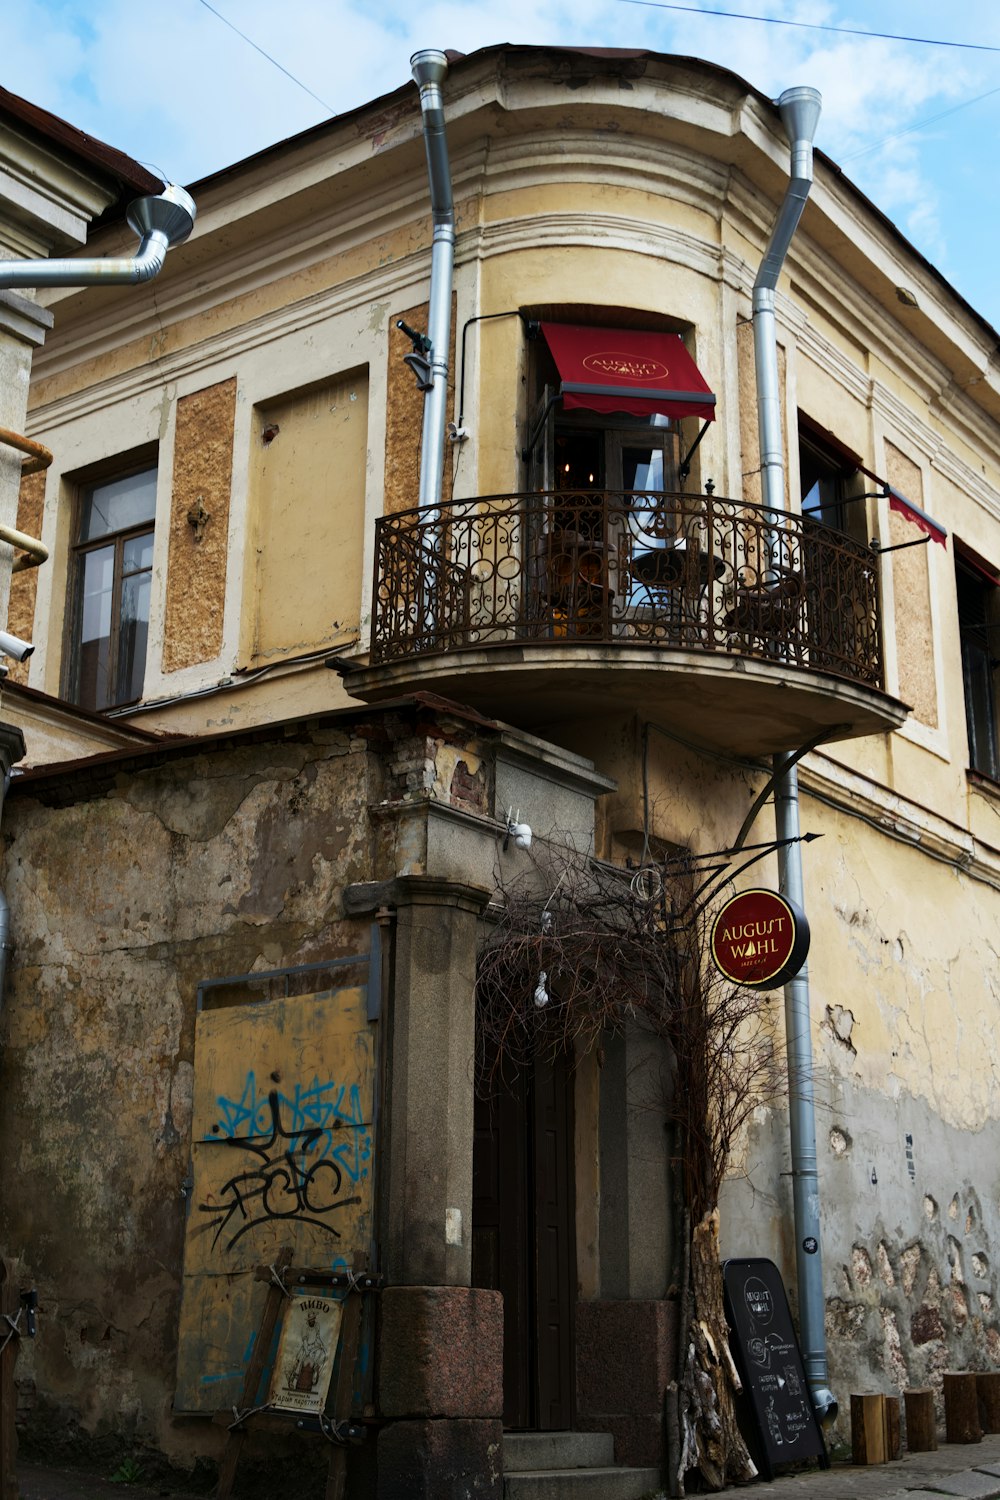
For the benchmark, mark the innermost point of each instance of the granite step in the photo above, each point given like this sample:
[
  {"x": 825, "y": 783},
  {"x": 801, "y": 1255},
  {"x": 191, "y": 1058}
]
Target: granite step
[
  {"x": 557, "y": 1450},
  {"x": 582, "y": 1484}
]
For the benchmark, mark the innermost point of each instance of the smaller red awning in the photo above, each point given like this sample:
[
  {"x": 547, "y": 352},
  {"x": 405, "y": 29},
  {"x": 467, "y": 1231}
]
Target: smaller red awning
[
  {"x": 621, "y": 370},
  {"x": 916, "y": 516}
]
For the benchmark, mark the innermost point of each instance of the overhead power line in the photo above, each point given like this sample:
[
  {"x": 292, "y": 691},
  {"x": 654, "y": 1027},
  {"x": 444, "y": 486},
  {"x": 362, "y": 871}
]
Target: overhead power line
[
  {"x": 251, "y": 43},
  {"x": 737, "y": 15},
  {"x": 919, "y": 125}
]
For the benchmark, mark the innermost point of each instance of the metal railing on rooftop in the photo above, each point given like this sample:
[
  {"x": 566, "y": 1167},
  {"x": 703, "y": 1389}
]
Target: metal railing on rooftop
[{"x": 613, "y": 568}]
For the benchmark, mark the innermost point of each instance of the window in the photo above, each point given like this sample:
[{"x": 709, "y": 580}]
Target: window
[
  {"x": 977, "y": 620},
  {"x": 112, "y": 572},
  {"x": 829, "y": 480}
]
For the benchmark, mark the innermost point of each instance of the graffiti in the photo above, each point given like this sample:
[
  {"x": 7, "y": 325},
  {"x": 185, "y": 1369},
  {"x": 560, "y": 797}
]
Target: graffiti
[{"x": 306, "y": 1145}]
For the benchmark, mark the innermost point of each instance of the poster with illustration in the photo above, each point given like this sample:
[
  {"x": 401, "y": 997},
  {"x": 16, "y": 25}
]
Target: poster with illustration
[{"x": 306, "y": 1353}]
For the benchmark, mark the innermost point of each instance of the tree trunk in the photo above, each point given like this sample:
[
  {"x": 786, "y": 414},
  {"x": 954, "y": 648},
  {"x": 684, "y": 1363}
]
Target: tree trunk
[{"x": 710, "y": 1377}]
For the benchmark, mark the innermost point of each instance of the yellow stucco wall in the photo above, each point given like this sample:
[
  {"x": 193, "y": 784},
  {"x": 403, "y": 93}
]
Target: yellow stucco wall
[{"x": 308, "y": 497}]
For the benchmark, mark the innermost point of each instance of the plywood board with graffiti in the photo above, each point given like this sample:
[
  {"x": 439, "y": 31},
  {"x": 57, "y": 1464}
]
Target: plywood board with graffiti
[{"x": 281, "y": 1157}]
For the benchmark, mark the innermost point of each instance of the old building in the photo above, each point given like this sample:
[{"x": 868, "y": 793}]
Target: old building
[{"x": 254, "y": 923}]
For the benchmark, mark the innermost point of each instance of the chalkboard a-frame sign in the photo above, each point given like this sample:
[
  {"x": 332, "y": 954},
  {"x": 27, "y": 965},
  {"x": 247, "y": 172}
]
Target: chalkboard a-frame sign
[{"x": 769, "y": 1361}]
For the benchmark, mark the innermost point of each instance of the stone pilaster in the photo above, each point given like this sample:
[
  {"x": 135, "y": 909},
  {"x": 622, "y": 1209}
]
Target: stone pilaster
[{"x": 431, "y": 1043}]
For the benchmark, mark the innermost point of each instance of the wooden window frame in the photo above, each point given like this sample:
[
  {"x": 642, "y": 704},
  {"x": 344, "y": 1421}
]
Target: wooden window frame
[
  {"x": 95, "y": 479},
  {"x": 979, "y": 665}
]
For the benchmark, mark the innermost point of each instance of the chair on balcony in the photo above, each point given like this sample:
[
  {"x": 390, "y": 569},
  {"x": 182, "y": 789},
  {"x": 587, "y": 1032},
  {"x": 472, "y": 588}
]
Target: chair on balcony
[
  {"x": 766, "y": 618},
  {"x": 580, "y": 588}
]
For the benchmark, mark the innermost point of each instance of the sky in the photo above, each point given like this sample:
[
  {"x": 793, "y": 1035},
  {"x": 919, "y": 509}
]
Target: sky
[{"x": 171, "y": 84}]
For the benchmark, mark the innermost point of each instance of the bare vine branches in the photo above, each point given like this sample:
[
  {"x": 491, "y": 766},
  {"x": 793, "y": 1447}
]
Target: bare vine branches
[{"x": 580, "y": 948}]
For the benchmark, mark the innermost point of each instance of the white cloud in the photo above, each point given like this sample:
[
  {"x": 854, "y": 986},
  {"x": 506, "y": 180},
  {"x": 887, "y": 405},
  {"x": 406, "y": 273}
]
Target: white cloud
[{"x": 171, "y": 84}]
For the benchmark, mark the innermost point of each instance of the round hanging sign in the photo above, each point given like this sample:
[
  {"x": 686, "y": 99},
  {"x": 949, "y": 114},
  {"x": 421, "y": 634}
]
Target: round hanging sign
[{"x": 759, "y": 939}]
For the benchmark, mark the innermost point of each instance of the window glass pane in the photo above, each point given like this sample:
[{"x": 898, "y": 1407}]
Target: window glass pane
[
  {"x": 132, "y": 635},
  {"x": 579, "y": 460},
  {"x": 96, "y": 586},
  {"x": 824, "y": 484},
  {"x": 119, "y": 505},
  {"x": 137, "y": 553},
  {"x": 975, "y": 601},
  {"x": 980, "y": 710},
  {"x": 642, "y": 469}
]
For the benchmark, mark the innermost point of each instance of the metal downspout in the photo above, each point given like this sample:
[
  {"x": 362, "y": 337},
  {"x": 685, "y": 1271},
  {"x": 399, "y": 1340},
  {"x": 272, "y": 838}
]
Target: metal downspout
[
  {"x": 161, "y": 222},
  {"x": 430, "y": 68},
  {"x": 800, "y": 110}
]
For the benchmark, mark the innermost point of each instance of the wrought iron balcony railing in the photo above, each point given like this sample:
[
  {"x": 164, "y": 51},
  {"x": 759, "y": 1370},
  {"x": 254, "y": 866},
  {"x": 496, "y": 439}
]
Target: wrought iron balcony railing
[{"x": 663, "y": 571}]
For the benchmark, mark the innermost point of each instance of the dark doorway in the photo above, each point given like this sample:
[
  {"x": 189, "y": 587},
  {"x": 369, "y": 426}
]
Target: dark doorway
[{"x": 523, "y": 1242}]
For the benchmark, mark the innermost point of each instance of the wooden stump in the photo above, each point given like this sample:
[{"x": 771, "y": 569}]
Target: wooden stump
[
  {"x": 961, "y": 1408},
  {"x": 709, "y": 1383},
  {"x": 868, "y": 1429},
  {"x": 921, "y": 1423},
  {"x": 988, "y": 1397},
  {"x": 893, "y": 1435}
]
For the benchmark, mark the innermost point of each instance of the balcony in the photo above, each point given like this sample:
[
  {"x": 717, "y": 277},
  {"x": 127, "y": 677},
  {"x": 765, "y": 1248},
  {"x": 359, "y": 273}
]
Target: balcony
[{"x": 750, "y": 629}]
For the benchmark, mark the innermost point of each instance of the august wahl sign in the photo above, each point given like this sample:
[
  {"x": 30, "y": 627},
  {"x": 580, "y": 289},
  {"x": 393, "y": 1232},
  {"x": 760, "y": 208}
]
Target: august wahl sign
[
  {"x": 760, "y": 939},
  {"x": 769, "y": 1361}
]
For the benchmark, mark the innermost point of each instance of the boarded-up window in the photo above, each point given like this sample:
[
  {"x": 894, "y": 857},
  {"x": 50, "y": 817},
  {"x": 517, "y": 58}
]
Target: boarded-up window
[
  {"x": 912, "y": 595},
  {"x": 309, "y": 497},
  {"x": 199, "y": 526},
  {"x": 24, "y": 585},
  {"x": 281, "y": 1156}
]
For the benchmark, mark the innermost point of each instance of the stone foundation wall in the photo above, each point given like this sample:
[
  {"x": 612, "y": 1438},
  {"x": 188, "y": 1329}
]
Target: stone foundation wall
[
  {"x": 626, "y": 1354},
  {"x": 440, "y": 1363}
]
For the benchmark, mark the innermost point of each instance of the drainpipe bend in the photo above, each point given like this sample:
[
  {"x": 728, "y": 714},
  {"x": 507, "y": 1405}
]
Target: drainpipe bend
[
  {"x": 800, "y": 109},
  {"x": 430, "y": 68},
  {"x": 161, "y": 222}
]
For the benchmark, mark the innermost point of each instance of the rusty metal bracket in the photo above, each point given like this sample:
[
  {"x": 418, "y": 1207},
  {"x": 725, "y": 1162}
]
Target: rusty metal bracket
[
  {"x": 38, "y": 456},
  {"x": 775, "y": 777}
]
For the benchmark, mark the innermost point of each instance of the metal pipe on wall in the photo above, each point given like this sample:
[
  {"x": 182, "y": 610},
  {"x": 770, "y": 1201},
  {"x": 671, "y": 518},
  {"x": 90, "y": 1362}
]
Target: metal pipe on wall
[
  {"x": 161, "y": 222},
  {"x": 430, "y": 68},
  {"x": 800, "y": 111}
]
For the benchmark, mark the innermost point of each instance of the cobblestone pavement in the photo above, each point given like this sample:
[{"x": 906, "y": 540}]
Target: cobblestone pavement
[{"x": 971, "y": 1471}]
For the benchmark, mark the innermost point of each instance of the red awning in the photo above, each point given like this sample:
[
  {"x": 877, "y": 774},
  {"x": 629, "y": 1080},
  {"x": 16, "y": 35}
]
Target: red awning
[
  {"x": 619, "y": 369},
  {"x": 916, "y": 516}
]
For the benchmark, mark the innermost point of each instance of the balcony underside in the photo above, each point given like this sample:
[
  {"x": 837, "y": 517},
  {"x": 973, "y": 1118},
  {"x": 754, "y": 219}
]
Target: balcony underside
[{"x": 726, "y": 702}]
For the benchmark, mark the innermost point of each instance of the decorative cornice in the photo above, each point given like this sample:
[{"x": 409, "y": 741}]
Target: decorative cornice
[
  {"x": 900, "y": 818},
  {"x": 580, "y": 156},
  {"x": 850, "y": 377},
  {"x": 367, "y": 287},
  {"x": 608, "y": 231},
  {"x": 24, "y": 319}
]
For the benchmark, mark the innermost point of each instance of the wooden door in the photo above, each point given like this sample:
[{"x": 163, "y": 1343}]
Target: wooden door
[
  {"x": 554, "y": 1281},
  {"x": 522, "y": 1237}
]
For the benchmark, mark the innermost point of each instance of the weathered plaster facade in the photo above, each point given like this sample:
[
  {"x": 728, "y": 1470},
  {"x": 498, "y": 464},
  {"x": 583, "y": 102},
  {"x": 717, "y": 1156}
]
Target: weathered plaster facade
[{"x": 270, "y": 387}]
